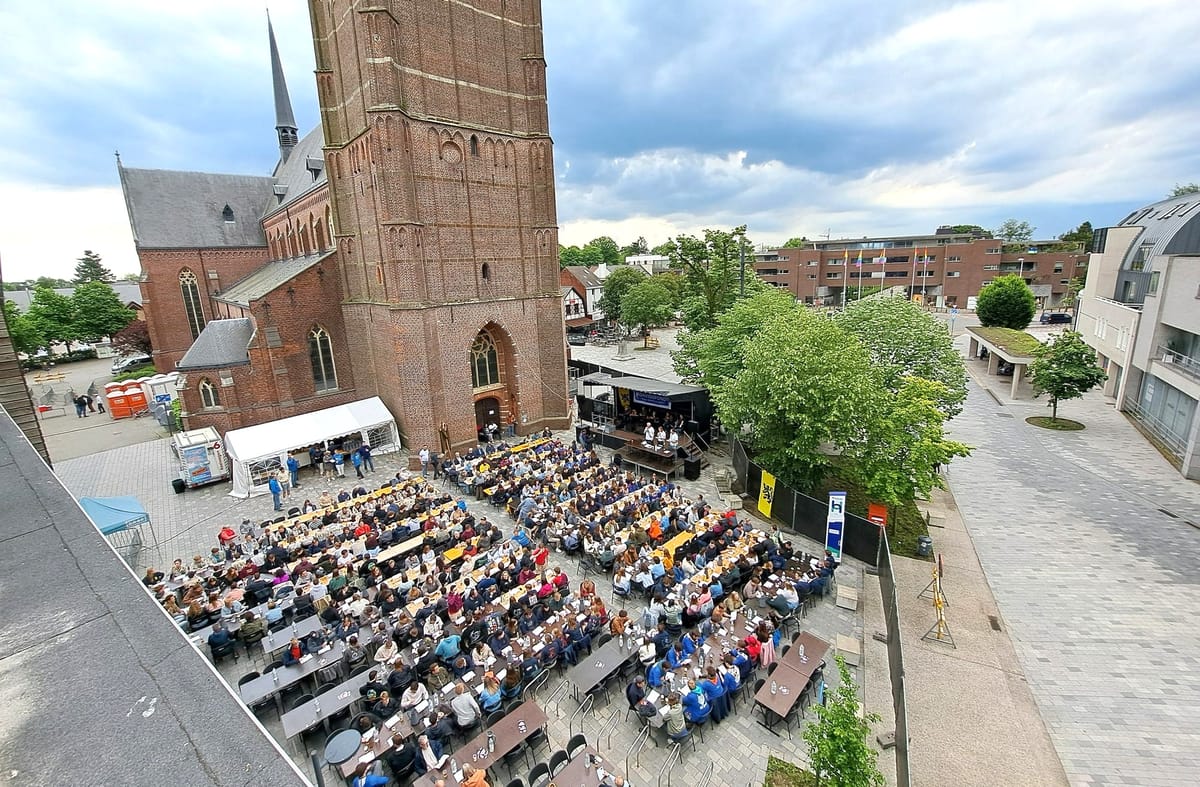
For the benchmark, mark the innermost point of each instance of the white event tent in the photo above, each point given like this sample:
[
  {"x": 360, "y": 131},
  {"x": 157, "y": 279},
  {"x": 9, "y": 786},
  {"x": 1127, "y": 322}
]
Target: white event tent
[{"x": 256, "y": 451}]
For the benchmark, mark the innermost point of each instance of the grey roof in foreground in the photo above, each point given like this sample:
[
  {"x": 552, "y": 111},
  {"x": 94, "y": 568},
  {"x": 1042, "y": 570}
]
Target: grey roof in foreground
[
  {"x": 222, "y": 344},
  {"x": 302, "y": 173},
  {"x": 268, "y": 277},
  {"x": 184, "y": 210},
  {"x": 98, "y": 685},
  {"x": 643, "y": 384}
]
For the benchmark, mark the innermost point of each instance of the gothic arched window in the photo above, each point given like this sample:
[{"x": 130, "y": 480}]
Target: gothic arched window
[
  {"x": 190, "y": 290},
  {"x": 320, "y": 354},
  {"x": 485, "y": 361},
  {"x": 209, "y": 396}
]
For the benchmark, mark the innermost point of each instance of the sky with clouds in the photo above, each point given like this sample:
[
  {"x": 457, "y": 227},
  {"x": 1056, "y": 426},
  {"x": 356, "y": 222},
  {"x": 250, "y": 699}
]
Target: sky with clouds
[{"x": 807, "y": 118}]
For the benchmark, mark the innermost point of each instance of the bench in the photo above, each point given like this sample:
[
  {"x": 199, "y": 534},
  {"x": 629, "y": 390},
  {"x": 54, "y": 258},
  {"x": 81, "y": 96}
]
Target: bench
[{"x": 850, "y": 648}]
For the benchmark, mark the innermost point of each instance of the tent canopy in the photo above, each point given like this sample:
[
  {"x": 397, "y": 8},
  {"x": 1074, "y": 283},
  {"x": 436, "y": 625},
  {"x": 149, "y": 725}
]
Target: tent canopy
[
  {"x": 288, "y": 434},
  {"x": 114, "y": 514},
  {"x": 642, "y": 384}
]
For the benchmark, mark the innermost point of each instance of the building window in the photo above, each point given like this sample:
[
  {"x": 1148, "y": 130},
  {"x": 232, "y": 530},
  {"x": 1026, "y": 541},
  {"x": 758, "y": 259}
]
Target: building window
[
  {"x": 953, "y": 274},
  {"x": 811, "y": 263},
  {"x": 833, "y": 275},
  {"x": 474, "y": 145},
  {"x": 209, "y": 397},
  {"x": 954, "y": 258},
  {"x": 1058, "y": 267},
  {"x": 191, "y": 301},
  {"x": 994, "y": 250},
  {"x": 320, "y": 355},
  {"x": 813, "y": 276},
  {"x": 485, "y": 272},
  {"x": 227, "y": 215},
  {"x": 991, "y": 267},
  {"x": 485, "y": 362},
  {"x": 1152, "y": 288}
]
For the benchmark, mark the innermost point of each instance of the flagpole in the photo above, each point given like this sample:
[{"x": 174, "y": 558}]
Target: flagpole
[
  {"x": 924, "y": 276},
  {"x": 912, "y": 287},
  {"x": 860, "y": 272}
]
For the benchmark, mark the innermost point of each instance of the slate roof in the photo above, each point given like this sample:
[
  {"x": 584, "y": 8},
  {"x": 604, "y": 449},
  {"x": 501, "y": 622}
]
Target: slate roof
[
  {"x": 184, "y": 210},
  {"x": 294, "y": 177},
  {"x": 98, "y": 685},
  {"x": 585, "y": 276},
  {"x": 222, "y": 344},
  {"x": 270, "y": 276},
  {"x": 128, "y": 291},
  {"x": 1170, "y": 226}
]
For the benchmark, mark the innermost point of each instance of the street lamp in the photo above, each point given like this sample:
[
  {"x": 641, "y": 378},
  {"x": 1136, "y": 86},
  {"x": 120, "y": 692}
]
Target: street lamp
[{"x": 1021, "y": 262}]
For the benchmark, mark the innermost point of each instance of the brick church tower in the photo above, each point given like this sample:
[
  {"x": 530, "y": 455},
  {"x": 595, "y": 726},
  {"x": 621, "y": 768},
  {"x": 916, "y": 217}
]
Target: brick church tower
[{"x": 441, "y": 175}]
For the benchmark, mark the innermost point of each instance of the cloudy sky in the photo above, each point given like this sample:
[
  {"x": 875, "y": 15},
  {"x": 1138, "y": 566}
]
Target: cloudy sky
[{"x": 845, "y": 118}]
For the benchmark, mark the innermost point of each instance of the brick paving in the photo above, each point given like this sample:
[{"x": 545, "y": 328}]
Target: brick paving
[
  {"x": 1086, "y": 545},
  {"x": 187, "y": 524}
]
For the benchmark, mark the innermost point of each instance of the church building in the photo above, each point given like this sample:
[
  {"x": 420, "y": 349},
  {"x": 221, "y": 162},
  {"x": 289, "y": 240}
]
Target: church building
[{"x": 407, "y": 248}]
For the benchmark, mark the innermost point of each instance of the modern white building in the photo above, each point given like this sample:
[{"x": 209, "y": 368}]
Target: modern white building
[
  {"x": 1140, "y": 310},
  {"x": 650, "y": 263}
]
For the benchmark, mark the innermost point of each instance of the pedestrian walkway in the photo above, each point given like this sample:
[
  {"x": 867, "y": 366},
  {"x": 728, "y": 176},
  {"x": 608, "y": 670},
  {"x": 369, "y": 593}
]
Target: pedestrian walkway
[{"x": 1085, "y": 543}]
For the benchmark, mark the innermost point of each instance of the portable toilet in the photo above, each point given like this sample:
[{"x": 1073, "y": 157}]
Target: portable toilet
[
  {"x": 137, "y": 400},
  {"x": 110, "y": 387},
  {"x": 118, "y": 404}
]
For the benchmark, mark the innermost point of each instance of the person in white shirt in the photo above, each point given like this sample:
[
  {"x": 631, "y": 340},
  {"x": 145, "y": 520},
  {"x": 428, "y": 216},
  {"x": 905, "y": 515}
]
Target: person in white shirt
[
  {"x": 649, "y": 433},
  {"x": 466, "y": 709},
  {"x": 433, "y": 627},
  {"x": 660, "y": 438},
  {"x": 414, "y": 695},
  {"x": 674, "y": 439}
]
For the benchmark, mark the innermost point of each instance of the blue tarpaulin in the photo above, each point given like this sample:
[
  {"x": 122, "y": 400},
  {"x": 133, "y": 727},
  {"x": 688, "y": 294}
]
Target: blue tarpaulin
[{"x": 114, "y": 514}]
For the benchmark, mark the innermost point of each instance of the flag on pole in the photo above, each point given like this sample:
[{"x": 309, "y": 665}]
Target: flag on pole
[
  {"x": 846, "y": 257},
  {"x": 858, "y": 264}
]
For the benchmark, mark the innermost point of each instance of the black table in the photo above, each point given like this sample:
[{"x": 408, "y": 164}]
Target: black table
[
  {"x": 593, "y": 670},
  {"x": 342, "y": 746}
]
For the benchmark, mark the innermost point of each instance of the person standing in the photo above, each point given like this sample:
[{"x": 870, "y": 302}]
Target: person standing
[
  {"x": 357, "y": 461},
  {"x": 364, "y": 451},
  {"x": 293, "y": 466},
  {"x": 339, "y": 463},
  {"x": 273, "y": 485},
  {"x": 285, "y": 482},
  {"x": 423, "y": 455}
]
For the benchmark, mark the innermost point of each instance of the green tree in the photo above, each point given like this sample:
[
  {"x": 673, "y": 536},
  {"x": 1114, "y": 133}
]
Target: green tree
[
  {"x": 711, "y": 271},
  {"x": 1015, "y": 231},
  {"x": 89, "y": 268},
  {"x": 574, "y": 255},
  {"x": 98, "y": 311},
  {"x": 905, "y": 443},
  {"x": 838, "y": 752},
  {"x": 646, "y": 304},
  {"x": 639, "y": 246},
  {"x": 133, "y": 339},
  {"x": 905, "y": 341},
  {"x": 712, "y": 358},
  {"x": 664, "y": 249},
  {"x": 1182, "y": 189},
  {"x": 1006, "y": 302},
  {"x": 24, "y": 333},
  {"x": 795, "y": 243},
  {"x": 53, "y": 317},
  {"x": 804, "y": 391},
  {"x": 609, "y": 251},
  {"x": 1065, "y": 368},
  {"x": 853, "y": 295},
  {"x": 136, "y": 277},
  {"x": 47, "y": 281},
  {"x": 1081, "y": 235},
  {"x": 615, "y": 287},
  {"x": 674, "y": 284},
  {"x": 973, "y": 229}
]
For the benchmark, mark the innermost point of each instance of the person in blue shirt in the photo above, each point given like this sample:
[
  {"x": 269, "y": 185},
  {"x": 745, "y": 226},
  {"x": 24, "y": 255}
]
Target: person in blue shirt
[
  {"x": 691, "y": 642},
  {"x": 656, "y": 673},
  {"x": 448, "y": 649},
  {"x": 676, "y": 656},
  {"x": 276, "y": 489},
  {"x": 357, "y": 460},
  {"x": 364, "y": 451},
  {"x": 369, "y": 776},
  {"x": 293, "y": 467},
  {"x": 695, "y": 704},
  {"x": 714, "y": 692}
]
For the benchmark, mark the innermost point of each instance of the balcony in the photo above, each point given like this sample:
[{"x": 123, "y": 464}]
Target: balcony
[{"x": 1184, "y": 364}]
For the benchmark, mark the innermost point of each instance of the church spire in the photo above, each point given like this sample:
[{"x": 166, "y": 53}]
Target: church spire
[{"x": 285, "y": 123}]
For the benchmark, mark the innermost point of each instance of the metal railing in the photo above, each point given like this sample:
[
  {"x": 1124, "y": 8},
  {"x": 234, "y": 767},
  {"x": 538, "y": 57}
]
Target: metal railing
[
  {"x": 535, "y": 685},
  {"x": 1184, "y": 363},
  {"x": 1175, "y": 443},
  {"x": 636, "y": 748},
  {"x": 706, "y": 777},
  {"x": 606, "y": 732},
  {"x": 581, "y": 713},
  {"x": 674, "y": 756}
]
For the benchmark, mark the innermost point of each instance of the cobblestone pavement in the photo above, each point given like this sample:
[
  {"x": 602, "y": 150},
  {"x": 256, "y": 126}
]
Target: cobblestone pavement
[
  {"x": 187, "y": 524},
  {"x": 1086, "y": 543}
]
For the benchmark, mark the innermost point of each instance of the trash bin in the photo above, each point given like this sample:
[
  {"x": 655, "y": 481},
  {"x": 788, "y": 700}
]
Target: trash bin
[
  {"x": 691, "y": 469},
  {"x": 178, "y": 485},
  {"x": 924, "y": 546}
]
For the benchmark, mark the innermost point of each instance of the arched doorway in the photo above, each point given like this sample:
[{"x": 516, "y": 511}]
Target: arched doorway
[
  {"x": 487, "y": 411},
  {"x": 493, "y": 385}
]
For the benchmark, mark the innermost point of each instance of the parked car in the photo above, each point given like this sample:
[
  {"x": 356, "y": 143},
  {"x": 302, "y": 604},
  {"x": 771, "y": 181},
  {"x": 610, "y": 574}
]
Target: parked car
[
  {"x": 1055, "y": 318},
  {"x": 576, "y": 339},
  {"x": 127, "y": 362}
]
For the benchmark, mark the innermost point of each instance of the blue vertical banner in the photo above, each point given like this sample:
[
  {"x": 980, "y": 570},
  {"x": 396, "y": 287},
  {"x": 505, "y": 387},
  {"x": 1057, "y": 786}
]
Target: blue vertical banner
[{"x": 835, "y": 523}]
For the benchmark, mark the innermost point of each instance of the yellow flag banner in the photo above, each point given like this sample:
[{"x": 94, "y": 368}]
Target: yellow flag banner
[{"x": 766, "y": 494}]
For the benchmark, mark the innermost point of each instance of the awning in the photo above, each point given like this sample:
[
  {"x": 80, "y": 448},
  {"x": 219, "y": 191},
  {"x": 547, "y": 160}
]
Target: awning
[
  {"x": 287, "y": 434},
  {"x": 579, "y": 322},
  {"x": 642, "y": 384},
  {"x": 114, "y": 514}
]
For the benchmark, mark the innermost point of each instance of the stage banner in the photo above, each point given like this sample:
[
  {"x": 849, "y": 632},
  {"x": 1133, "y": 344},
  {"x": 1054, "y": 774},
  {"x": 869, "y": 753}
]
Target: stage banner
[
  {"x": 652, "y": 400},
  {"x": 835, "y": 522},
  {"x": 766, "y": 494}
]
